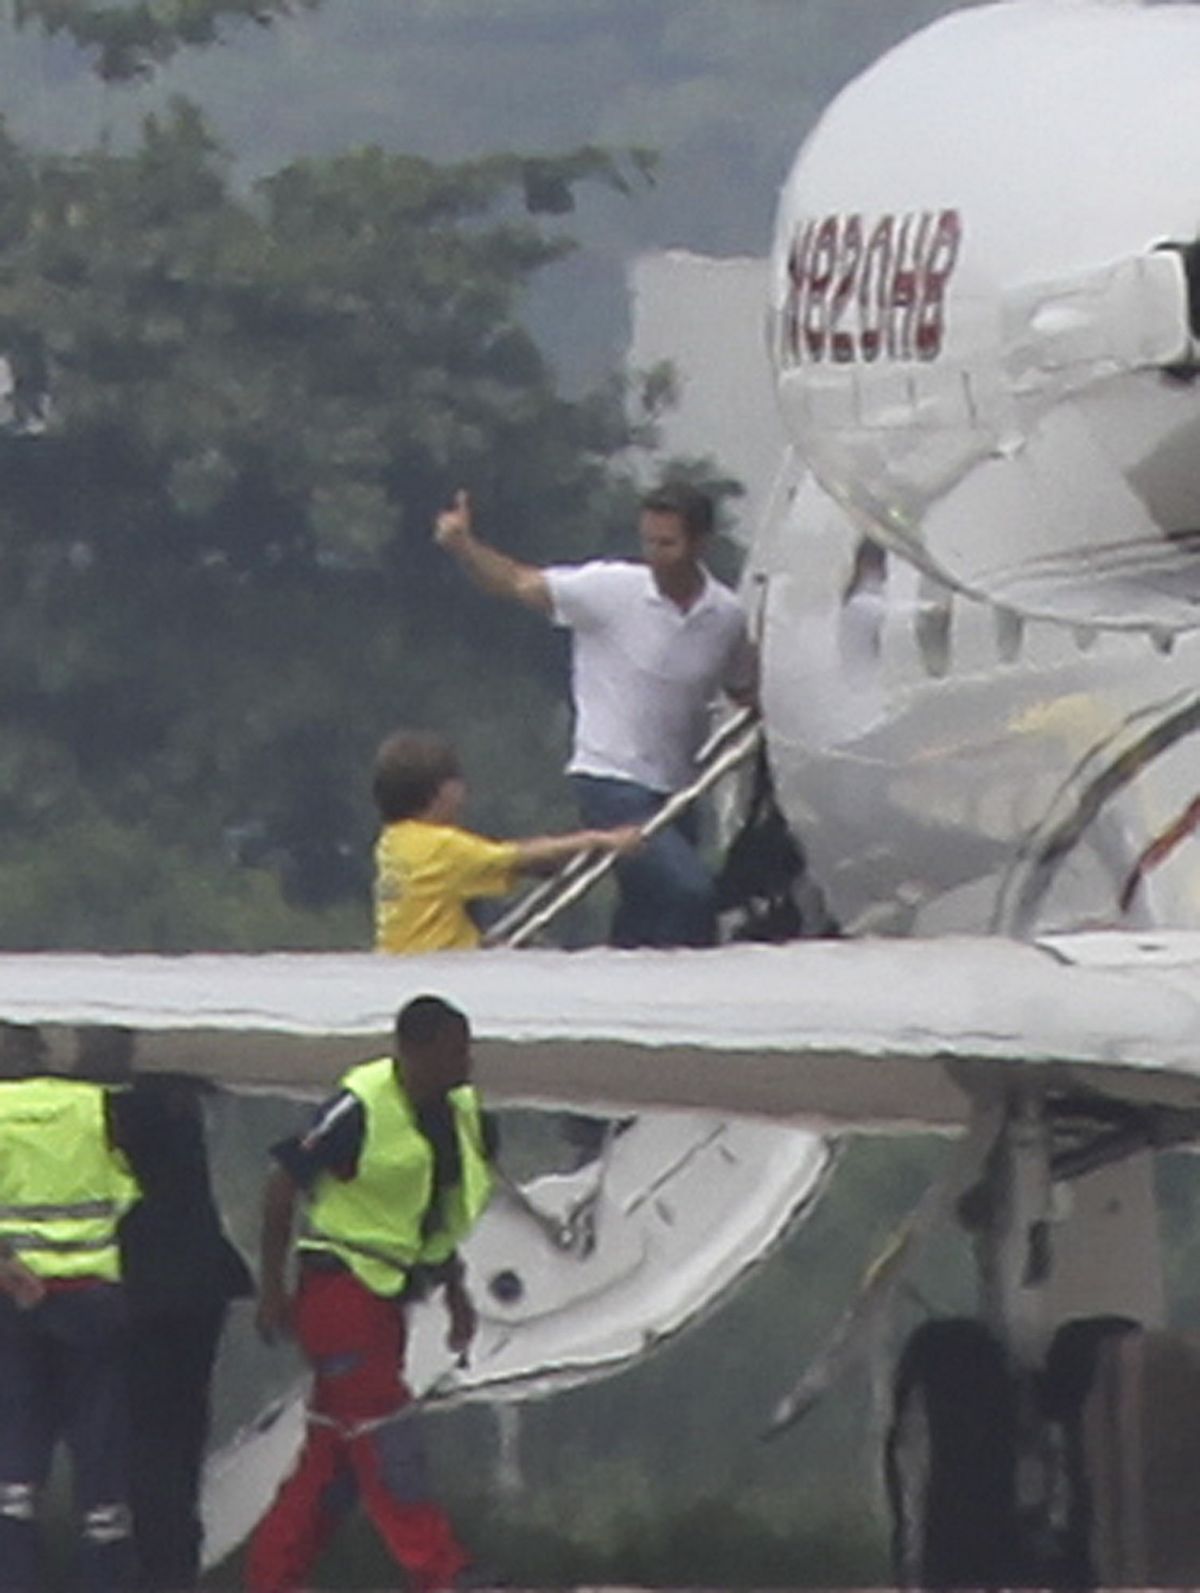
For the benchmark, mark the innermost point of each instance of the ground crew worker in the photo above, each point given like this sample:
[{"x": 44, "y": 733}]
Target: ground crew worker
[
  {"x": 63, "y": 1189},
  {"x": 394, "y": 1173},
  {"x": 180, "y": 1272}
]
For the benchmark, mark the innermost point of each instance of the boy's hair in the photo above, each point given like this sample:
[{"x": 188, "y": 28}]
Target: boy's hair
[
  {"x": 411, "y": 766},
  {"x": 695, "y": 509}
]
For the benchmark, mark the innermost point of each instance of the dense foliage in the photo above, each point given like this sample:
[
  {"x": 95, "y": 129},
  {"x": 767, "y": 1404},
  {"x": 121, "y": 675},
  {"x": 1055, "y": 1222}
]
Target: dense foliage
[
  {"x": 230, "y": 422},
  {"x": 130, "y": 40}
]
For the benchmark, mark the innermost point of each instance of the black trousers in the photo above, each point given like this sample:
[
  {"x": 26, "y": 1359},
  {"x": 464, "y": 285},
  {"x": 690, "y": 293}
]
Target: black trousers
[
  {"x": 62, "y": 1376},
  {"x": 170, "y": 1371}
]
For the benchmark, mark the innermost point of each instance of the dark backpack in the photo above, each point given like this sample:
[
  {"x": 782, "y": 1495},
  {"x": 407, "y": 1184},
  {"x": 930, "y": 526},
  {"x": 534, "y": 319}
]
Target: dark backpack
[{"x": 764, "y": 868}]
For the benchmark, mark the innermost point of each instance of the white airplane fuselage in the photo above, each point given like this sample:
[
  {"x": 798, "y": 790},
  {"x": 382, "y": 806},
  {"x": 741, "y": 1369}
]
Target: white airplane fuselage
[
  {"x": 985, "y": 332},
  {"x": 978, "y": 592}
]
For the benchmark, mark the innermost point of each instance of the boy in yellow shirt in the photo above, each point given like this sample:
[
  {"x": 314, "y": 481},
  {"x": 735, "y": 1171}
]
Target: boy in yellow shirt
[{"x": 427, "y": 868}]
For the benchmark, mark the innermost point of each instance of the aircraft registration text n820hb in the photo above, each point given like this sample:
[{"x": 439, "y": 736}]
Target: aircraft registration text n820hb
[{"x": 862, "y": 288}]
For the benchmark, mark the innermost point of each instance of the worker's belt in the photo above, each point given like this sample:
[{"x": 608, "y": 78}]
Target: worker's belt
[
  {"x": 321, "y": 1261},
  {"x": 370, "y": 1252}
]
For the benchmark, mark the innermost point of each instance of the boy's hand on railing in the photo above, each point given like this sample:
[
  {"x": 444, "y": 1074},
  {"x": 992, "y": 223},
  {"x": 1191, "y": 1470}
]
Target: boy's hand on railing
[{"x": 624, "y": 839}]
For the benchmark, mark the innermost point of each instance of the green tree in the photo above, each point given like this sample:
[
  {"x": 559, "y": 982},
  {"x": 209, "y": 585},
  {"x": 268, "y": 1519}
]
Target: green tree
[{"x": 233, "y": 420}]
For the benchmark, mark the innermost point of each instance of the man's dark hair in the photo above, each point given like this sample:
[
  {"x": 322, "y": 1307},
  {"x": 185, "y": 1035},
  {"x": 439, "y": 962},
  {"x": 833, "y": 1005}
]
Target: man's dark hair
[
  {"x": 410, "y": 768},
  {"x": 423, "y": 1018},
  {"x": 695, "y": 509}
]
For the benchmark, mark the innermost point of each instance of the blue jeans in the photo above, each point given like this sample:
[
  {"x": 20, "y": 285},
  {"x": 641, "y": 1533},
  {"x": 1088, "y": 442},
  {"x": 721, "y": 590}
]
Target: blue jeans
[{"x": 665, "y": 893}]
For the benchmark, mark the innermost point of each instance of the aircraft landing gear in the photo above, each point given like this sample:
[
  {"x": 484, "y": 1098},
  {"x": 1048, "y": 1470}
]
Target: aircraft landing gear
[
  {"x": 952, "y": 1453},
  {"x": 949, "y": 1460},
  {"x": 1049, "y": 1443}
]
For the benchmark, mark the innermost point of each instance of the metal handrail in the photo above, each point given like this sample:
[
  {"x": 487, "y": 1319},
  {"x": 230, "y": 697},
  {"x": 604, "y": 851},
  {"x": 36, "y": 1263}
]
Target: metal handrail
[{"x": 729, "y": 745}]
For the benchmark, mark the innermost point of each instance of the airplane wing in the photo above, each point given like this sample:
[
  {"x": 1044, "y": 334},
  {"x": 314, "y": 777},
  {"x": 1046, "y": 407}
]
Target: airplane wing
[
  {"x": 724, "y": 1054},
  {"x": 868, "y": 1032}
]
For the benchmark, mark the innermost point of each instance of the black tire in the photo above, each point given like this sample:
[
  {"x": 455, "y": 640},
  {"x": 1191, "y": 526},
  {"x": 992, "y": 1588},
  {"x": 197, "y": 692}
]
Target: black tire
[
  {"x": 1065, "y": 1384},
  {"x": 949, "y": 1461}
]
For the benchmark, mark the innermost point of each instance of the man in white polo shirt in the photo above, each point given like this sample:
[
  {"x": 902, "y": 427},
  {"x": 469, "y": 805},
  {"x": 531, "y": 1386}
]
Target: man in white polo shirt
[{"x": 653, "y": 645}]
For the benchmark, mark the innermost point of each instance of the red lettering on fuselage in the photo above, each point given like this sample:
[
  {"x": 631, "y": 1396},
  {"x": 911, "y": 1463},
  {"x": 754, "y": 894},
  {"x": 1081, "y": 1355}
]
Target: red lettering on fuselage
[{"x": 860, "y": 289}]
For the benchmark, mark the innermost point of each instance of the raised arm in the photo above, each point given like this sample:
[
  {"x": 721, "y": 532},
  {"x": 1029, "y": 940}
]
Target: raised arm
[{"x": 494, "y": 572}]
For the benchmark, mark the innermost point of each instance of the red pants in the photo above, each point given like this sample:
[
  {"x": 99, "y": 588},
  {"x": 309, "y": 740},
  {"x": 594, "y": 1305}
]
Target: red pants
[{"x": 359, "y": 1443}]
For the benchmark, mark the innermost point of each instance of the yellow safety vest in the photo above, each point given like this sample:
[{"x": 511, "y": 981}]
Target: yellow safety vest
[
  {"x": 63, "y": 1188},
  {"x": 373, "y": 1222}
]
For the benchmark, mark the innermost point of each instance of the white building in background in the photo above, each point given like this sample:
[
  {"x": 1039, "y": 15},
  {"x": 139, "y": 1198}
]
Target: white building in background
[{"x": 707, "y": 317}]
